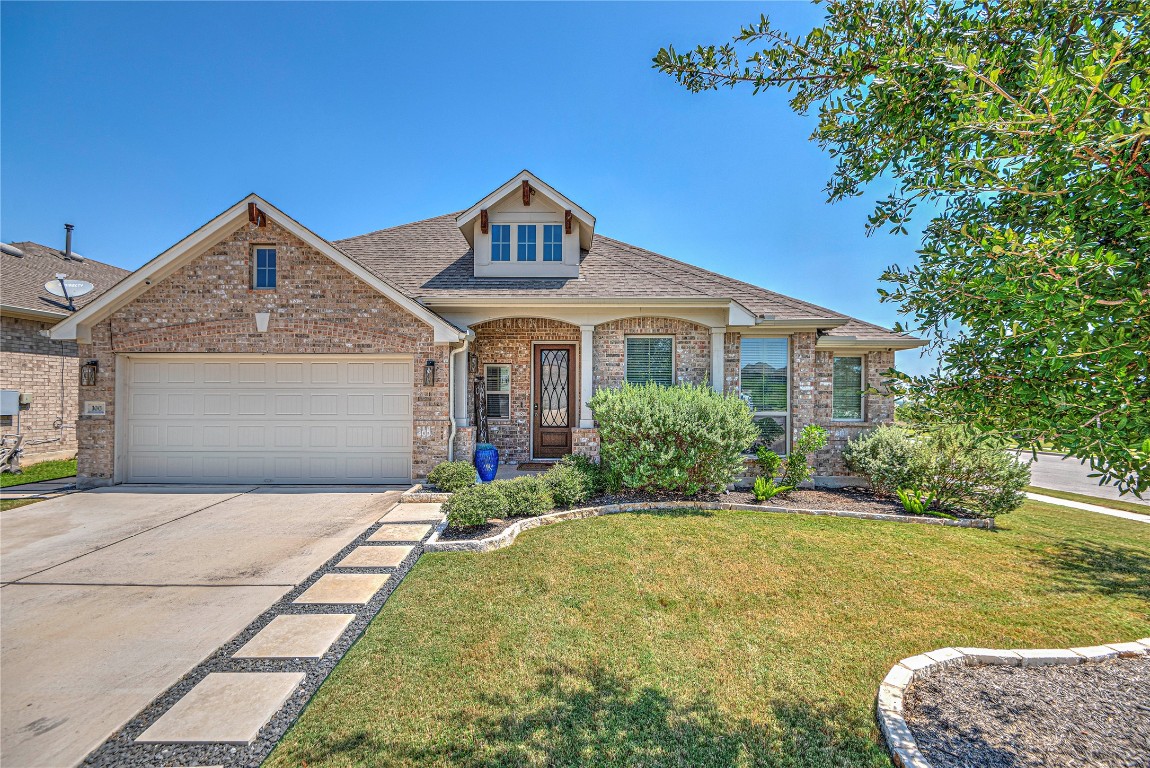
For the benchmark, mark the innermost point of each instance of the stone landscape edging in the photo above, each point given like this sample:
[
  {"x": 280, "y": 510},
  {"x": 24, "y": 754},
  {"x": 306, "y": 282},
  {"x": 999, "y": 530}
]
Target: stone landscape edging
[
  {"x": 892, "y": 691},
  {"x": 507, "y": 536}
]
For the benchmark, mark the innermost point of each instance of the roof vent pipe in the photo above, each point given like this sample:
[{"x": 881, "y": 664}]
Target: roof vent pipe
[{"x": 68, "y": 241}]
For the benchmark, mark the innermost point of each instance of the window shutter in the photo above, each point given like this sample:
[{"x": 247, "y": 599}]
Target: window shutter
[
  {"x": 846, "y": 397},
  {"x": 650, "y": 359},
  {"x": 764, "y": 371}
]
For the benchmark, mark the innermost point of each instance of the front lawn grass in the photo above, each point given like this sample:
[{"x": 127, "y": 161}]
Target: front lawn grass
[
  {"x": 44, "y": 470},
  {"x": 1126, "y": 506},
  {"x": 7, "y": 504},
  {"x": 704, "y": 639}
]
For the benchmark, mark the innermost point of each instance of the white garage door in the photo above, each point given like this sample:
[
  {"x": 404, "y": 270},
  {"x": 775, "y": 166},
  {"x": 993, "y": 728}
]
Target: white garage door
[{"x": 246, "y": 419}]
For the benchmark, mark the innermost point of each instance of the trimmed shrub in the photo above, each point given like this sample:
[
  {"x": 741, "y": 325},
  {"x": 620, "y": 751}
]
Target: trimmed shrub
[
  {"x": 573, "y": 480},
  {"x": 452, "y": 476},
  {"x": 889, "y": 458},
  {"x": 591, "y": 471},
  {"x": 682, "y": 439},
  {"x": 768, "y": 462},
  {"x": 798, "y": 470},
  {"x": 527, "y": 496},
  {"x": 474, "y": 506},
  {"x": 975, "y": 476}
]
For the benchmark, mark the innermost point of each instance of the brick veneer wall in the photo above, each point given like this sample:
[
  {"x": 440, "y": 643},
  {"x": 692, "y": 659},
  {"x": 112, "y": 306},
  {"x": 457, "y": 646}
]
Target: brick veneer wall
[
  {"x": 508, "y": 341},
  {"x": 692, "y": 348},
  {"x": 208, "y": 306},
  {"x": 48, "y": 371}
]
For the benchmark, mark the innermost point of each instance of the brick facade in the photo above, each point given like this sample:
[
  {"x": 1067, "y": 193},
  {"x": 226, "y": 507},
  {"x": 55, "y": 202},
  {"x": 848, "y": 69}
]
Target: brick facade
[
  {"x": 208, "y": 306},
  {"x": 48, "y": 372},
  {"x": 692, "y": 348}
]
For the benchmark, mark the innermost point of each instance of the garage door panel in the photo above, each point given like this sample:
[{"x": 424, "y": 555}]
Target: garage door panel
[{"x": 296, "y": 420}]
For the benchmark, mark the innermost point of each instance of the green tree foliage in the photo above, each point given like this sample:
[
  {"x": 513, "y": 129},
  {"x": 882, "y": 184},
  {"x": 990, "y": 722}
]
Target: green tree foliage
[{"x": 1022, "y": 126}]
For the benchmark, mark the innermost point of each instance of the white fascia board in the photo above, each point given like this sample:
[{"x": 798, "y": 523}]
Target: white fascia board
[
  {"x": 29, "y": 313},
  {"x": 465, "y": 218},
  {"x": 739, "y": 315},
  {"x": 569, "y": 301},
  {"x": 852, "y": 344},
  {"x": 768, "y": 326},
  {"x": 79, "y": 325}
]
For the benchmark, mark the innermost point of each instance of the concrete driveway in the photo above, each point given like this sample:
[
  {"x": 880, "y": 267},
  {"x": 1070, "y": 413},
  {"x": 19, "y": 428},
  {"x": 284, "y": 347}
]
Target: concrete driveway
[
  {"x": 1063, "y": 473},
  {"x": 109, "y": 597}
]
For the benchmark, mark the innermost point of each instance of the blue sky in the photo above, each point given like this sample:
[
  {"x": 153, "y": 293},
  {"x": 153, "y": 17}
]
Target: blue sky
[{"x": 138, "y": 122}]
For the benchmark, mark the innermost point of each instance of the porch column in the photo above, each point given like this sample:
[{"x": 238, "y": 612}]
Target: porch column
[
  {"x": 586, "y": 382},
  {"x": 460, "y": 385},
  {"x": 717, "y": 340}
]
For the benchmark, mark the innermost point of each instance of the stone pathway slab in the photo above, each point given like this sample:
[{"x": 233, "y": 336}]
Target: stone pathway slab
[
  {"x": 1086, "y": 507},
  {"x": 400, "y": 532},
  {"x": 406, "y": 512},
  {"x": 224, "y": 708},
  {"x": 296, "y": 636},
  {"x": 343, "y": 588},
  {"x": 374, "y": 557}
]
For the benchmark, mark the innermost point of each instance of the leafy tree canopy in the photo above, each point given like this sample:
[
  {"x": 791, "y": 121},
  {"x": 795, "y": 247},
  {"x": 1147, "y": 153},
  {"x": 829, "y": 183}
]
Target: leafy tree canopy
[{"x": 1022, "y": 126}]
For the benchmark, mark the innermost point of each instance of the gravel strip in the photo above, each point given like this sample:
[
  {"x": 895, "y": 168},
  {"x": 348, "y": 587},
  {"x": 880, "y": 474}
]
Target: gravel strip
[
  {"x": 1093, "y": 715},
  {"x": 121, "y": 749}
]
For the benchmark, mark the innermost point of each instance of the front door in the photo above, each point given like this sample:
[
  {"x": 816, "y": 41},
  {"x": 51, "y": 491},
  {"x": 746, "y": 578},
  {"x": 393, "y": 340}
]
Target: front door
[{"x": 554, "y": 405}]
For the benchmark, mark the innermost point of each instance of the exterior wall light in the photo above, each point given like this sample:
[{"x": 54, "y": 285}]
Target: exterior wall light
[
  {"x": 88, "y": 373},
  {"x": 429, "y": 373}
]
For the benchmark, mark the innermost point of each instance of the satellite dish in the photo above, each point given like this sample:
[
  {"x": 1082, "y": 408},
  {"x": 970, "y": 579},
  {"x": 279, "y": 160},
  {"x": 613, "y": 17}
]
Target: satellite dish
[{"x": 68, "y": 289}]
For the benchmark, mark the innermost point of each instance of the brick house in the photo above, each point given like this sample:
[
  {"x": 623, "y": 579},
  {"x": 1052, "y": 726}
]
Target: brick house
[
  {"x": 256, "y": 351},
  {"x": 43, "y": 372}
]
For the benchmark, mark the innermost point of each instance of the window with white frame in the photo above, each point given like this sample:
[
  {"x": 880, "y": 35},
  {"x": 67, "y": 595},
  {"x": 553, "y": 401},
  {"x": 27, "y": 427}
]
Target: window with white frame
[
  {"x": 650, "y": 359},
  {"x": 526, "y": 242},
  {"x": 498, "y": 378},
  {"x": 764, "y": 370},
  {"x": 552, "y": 242},
  {"x": 501, "y": 242},
  {"x": 847, "y": 389},
  {"x": 264, "y": 267}
]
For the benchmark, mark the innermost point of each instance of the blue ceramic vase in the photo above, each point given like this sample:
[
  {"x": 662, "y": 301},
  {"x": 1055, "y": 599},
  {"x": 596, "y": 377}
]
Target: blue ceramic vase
[{"x": 486, "y": 461}]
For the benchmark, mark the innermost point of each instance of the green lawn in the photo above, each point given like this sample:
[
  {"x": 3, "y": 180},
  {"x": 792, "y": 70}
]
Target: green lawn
[
  {"x": 704, "y": 639},
  {"x": 45, "y": 470},
  {"x": 1128, "y": 506}
]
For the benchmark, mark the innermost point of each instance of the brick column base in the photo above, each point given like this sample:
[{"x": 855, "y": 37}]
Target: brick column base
[
  {"x": 464, "y": 448},
  {"x": 585, "y": 442}
]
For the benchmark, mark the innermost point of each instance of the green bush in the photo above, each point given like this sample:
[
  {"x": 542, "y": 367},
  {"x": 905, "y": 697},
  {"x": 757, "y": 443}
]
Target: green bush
[
  {"x": 681, "y": 439},
  {"x": 965, "y": 473},
  {"x": 573, "y": 480},
  {"x": 768, "y": 462},
  {"x": 888, "y": 457},
  {"x": 590, "y": 470},
  {"x": 812, "y": 439},
  {"x": 527, "y": 496},
  {"x": 474, "y": 506},
  {"x": 452, "y": 476}
]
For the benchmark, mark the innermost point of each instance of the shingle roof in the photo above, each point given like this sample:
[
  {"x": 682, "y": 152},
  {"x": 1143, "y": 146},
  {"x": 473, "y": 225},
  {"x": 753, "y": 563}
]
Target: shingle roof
[
  {"x": 431, "y": 260},
  {"x": 23, "y": 278}
]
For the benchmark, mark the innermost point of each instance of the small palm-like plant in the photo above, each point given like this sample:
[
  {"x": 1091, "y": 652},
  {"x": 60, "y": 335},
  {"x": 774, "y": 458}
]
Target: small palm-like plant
[
  {"x": 766, "y": 489},
  {"x": 918, "y": 502}
]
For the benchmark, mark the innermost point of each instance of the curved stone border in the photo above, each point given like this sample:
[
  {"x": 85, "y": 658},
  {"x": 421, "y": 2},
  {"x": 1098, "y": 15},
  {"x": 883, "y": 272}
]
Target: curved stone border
[
  {"x": 507, "y": 536},
  {"x": 416, "y": 495},
  {"x": 889, "y": 702}
]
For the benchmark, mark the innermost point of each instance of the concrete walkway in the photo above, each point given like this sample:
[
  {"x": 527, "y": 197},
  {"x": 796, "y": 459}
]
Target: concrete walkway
[
  {"x": 110, "y": 596},
  {"x": 1090, "y": 508},
  {"x": 45, "y": 489}
]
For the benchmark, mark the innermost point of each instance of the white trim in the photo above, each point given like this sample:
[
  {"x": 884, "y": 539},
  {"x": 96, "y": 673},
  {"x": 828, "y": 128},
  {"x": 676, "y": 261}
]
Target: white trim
[
  {"x": 464, "y": 219},
  {"x": 586, "y": 375},
  {"x": 27, "y": 313},
  {"x": 852, "y": 344},
  {"x": 163, "y": 265},
  {"x": 718, "y": 353}
]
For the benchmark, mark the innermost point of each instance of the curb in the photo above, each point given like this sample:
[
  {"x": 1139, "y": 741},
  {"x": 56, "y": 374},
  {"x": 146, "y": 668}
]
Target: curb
[
  {"x": 891, "y": 692},
  {"x": 507, "y": 536},
  {"x": 416, "y": 495}
]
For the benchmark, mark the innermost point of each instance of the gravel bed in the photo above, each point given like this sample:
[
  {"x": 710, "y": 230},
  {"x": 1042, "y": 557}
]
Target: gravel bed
[
  {"x": 1093, "y": 715},
  {"x": 121, "y": 750}
]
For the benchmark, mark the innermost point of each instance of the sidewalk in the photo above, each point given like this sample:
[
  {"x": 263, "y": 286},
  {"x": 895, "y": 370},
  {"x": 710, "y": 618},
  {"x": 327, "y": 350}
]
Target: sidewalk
[{"x": 1090, "y": 507}]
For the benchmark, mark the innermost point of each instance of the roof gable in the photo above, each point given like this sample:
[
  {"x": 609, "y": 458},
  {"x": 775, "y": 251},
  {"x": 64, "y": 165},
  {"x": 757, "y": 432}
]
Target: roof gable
[
  {"x": 79, "y": 325},
  {"x": 535, "y": 186}
]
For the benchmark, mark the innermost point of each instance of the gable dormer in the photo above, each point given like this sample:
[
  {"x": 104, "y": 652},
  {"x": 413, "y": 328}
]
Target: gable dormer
[{"x": 527, "y": 229}]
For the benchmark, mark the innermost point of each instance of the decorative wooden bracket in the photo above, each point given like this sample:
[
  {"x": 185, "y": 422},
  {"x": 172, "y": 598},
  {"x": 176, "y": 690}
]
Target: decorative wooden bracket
[
  {"x": 526, "y": 192},
  {"x": 567, "y": 222},
  {"x": 256, "y": 216},
  {"x": 483, "y": 220}
]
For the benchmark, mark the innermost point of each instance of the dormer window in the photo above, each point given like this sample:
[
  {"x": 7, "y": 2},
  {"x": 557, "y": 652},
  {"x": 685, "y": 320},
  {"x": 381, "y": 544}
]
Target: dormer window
[
  {"x": 526, "y": 242},
  {"x": 501, "y": 242},
  {"x": 552, "y": 242}
]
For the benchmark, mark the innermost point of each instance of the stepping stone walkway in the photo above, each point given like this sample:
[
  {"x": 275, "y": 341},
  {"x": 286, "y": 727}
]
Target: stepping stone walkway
[{"x": 248, "y": 696}]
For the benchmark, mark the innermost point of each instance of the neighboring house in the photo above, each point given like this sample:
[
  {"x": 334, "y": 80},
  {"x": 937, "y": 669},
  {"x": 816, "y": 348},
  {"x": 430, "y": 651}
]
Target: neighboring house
[
  {"x": 255, "y": 351},
  {"x": 45, "y": 372}
]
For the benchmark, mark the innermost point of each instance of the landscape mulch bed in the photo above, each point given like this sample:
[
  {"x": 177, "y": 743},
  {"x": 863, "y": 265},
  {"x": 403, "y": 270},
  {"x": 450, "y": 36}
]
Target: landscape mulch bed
[
  {"x": 843, "y": 499},
  {"x": 1094, "y": 714}
]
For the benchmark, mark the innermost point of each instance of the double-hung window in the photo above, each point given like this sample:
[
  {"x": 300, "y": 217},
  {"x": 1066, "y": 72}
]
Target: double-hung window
[
  {"x": 264, "y": 268},
  {"x": 526, "y": 249},
  {"x": 847, "y": 388},
  {"x": 498, "y": 379},
  {"x": 552, "y": 242},
  {"x": 765, "y": 372},
  {"x": 501, "y": 242},
  {"x": 650, "y": 359}
]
